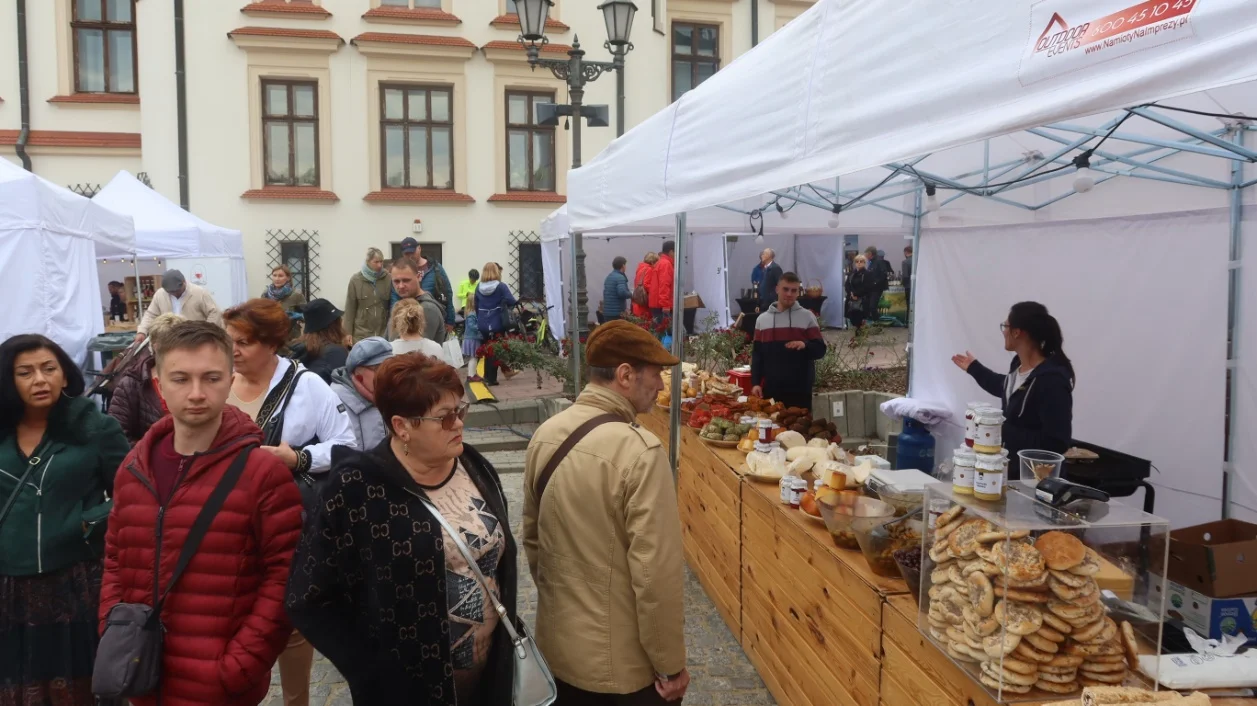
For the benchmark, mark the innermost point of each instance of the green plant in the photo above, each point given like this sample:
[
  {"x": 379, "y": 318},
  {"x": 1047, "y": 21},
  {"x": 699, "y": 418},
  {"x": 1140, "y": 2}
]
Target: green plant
[{"x": 718, "y": 349}]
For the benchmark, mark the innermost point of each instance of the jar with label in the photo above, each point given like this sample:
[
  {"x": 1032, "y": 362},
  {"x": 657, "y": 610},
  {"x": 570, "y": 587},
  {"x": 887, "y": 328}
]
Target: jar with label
[
  {"x": 797, "y": 492},
  {"x": 765, "y": 429},
  {"x": 964, "y": 462},
  {"x": 786, "y": 487},
  {"x": 989, "y": 438},
  {"x": 971, "y": 422},
  {"x": 988, "y": 483}
]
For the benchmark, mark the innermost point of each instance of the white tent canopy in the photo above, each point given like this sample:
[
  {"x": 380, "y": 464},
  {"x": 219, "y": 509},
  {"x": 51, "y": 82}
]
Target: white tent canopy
[
  {"x": 854, "y": 85},
  {"x": 165, "y": 231},
  {"x": 50, "y": 238}
]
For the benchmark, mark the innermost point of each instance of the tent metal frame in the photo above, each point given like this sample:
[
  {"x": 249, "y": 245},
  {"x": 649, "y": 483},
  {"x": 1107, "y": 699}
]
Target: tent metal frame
[{"x": 1225, "y": 143}]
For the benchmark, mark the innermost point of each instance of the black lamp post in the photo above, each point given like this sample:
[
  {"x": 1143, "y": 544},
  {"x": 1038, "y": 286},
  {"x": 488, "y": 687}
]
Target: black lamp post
[{"x": 577, "y": 72}]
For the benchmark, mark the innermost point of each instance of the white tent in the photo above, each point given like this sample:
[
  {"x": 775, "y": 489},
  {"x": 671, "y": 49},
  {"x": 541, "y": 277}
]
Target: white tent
[
  {"x": 1149, "y": 304},
  {"x": 50, "y": 238},
  {"x": 207, "y": 254}
]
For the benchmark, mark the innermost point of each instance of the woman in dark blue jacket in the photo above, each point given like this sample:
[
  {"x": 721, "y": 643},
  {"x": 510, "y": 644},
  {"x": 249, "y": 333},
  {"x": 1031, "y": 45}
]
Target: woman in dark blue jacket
[
  {"x": 493, "y": 300},
  {"x": 1038, "y": 391}
]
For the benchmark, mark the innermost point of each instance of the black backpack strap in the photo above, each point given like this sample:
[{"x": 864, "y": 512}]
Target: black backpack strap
[
  {"x": 202, "y": 524},
  {"x": 566, "y": 447}
]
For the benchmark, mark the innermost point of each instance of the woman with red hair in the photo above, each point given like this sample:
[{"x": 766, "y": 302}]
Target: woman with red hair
[
  {"x": 301, "y": 419},
  {"x": 374, "y": 558}
]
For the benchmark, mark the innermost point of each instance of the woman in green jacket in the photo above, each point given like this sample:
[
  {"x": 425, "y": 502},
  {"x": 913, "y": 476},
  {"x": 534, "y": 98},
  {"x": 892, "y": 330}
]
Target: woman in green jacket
[
  {"x": 58, "y": 456},
  {"x": 366, "y": 304}
]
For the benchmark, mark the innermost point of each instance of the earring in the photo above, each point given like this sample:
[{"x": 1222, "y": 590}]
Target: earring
[{"x": 406, "y": 448}]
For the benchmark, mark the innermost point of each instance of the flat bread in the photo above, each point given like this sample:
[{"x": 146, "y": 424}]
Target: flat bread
[
  {"x": 1007, "y": 676},
  {"x": 1108, "y": 632},
  {"x": 1047, "y": 633},
  {"x": 1019, "y": 618},
  {"x": 1053, "y": 621},
  {"x": 1088, "y": 633},
  {"x": 1104, "y": 667},
  {"x": 1049, "y": 669},
  {"x": 1026, "y": 652},
  {"x": 1105, "y": 678},
  {"x": 1019, "y": 560},
  {"x": 1069, "y": 579},
  {"x": 1067, "y": 592},
  {"x": 1006, "y": 686},
  {"x": 981, "y": 594},
  {"x": 963, "y": 542},
  {"x": 1042, "y": 644},
  {"x": 997, "y": 646},
  {"x": 1019, "y": 666},
  {"x": 1090, "y": 565},
  {"x": 1002, "y": 536},
  {"x": 1130, "y": 644},
  {"x": 1090, "y": 650},
  {"x": 1067, "y": 611},
  {"x": 1054, "y": 688},
  {"x": 952, "y": 513},
  {"x": 1058, "y": 678},
  {"x": 1021, "y": 595},
  {"x": 1066, "y": 660},
  {"x": 1061, "y": 551}
]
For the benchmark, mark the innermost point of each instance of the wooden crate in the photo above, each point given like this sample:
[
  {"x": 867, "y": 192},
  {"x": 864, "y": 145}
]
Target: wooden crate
[{"x": 811, "y": 612}]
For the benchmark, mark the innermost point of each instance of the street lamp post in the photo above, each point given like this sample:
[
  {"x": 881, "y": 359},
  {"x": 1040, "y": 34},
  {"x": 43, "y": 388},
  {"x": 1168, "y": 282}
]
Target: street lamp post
[{"x": 576, "y": 71}]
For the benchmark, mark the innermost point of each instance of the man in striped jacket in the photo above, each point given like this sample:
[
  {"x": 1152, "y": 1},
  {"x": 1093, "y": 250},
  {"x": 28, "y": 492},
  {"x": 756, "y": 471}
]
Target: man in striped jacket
[{"x": 787, "y": 344}]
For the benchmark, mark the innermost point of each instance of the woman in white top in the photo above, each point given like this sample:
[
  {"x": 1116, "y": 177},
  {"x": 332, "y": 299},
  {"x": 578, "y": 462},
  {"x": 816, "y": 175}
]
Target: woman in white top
[
  {"x": 408, "y": 322},
  {"x": 301, "y": 419}
]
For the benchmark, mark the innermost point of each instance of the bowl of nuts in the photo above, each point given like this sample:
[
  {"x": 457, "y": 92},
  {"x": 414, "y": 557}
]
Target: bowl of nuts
[
  {"x": 879, "y": 542},
  {"x": 909, "y": 562}
]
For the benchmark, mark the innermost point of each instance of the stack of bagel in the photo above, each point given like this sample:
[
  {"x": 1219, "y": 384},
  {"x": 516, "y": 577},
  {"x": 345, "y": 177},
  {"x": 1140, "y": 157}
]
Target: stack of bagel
[{"x": 1027, "y": 613}]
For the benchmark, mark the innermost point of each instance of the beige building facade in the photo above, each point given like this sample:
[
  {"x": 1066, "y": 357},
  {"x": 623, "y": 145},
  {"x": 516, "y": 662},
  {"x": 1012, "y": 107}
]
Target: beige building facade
[{"x": 320, "y": 128}]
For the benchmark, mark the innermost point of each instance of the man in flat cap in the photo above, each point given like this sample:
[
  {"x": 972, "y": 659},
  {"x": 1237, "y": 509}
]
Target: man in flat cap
[
  {"x": 181, "y": 298},
  {"x": 602, "y": 534}
]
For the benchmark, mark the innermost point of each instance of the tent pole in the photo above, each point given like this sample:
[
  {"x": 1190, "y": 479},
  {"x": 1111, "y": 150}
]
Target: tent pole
[
  {"x": 916, "y": 263},
  {"x": 573, "y": 330},
  {"x": 139, "y": 291},
  {"x": 1232, "y": 318},
  {"x": 678, "y": 348}
]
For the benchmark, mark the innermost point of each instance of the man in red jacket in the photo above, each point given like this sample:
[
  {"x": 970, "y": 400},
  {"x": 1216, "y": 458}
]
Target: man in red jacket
[
  {"x": 225, "y": 620},
  {"x": 665, "y": 281}
]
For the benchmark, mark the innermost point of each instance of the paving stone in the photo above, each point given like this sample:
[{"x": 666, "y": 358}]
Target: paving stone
[{"x": 720, "y": 673}]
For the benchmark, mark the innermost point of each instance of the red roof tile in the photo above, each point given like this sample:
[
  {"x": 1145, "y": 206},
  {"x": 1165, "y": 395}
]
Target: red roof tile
[
  {"x": 418, "y": 196},
  {"x": 418, "y": 14},
  {"x": 69, "y": 138},
  {"x": 269, "y": 7},
  {"x": 98, "y": 98},
  {"x": 430, "y": 39},
  {"x": 512, "y": 20},
  {"x": 546, "y": 49}
]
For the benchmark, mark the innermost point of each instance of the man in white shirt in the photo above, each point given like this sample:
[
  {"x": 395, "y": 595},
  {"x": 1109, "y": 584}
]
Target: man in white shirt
[{"x": 176, "y": 296}]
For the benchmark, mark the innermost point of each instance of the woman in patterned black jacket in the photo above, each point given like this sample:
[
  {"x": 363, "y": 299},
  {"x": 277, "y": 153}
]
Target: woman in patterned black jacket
[{"x": 376, "y": 584}]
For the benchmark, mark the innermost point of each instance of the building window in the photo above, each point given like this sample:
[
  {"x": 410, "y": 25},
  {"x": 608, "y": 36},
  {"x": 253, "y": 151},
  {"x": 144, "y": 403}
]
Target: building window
[
  {"x": 695, "y": 55},
  {"x": 290, "y": 132},
  {"x": 430, "y": 251},
  {"x": 529, "y": 146},
  {"x": 104, "y": 46},
  {"x": 532, "y": 284},
  {"x": 416, "y": 137},
  {"x": 411, "y": 4},
  {"x": 296, "y": 254}
]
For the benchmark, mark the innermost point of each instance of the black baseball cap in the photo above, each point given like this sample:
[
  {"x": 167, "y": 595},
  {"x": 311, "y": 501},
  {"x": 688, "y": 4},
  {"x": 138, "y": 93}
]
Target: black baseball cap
[{"x": 409, "y": 245}]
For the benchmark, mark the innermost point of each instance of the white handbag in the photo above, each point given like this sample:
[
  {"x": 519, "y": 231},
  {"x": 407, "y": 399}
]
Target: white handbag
[
  {"x": 452, "y": 351},
  {"x": 533, "y": 683}
]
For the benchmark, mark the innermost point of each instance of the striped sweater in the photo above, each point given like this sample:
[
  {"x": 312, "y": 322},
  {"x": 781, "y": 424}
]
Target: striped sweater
[{"x": 786, "y": 374}]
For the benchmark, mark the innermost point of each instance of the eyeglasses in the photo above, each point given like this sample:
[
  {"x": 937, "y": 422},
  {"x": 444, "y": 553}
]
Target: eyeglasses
[
  {"x": 1003, "y": 328},
  {"x": 449, "y": 420}
]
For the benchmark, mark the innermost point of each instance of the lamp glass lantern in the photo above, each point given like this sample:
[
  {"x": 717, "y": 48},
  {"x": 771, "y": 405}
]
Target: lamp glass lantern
[
  {"x": 618, "y": 15},
  {"x": 532, "y": 18}
]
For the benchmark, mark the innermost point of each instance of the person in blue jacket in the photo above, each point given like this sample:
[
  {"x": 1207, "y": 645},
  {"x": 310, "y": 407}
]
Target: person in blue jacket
[
  {"x": 493, "y": 301},
  {"x": 432, "y": 279},
  {"x": 615, "y": 290},
  {"x": 1037, "y": 394}
]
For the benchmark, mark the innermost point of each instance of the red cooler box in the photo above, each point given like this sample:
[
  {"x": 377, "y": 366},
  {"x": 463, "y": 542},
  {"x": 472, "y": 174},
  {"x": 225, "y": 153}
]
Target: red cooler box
[{"x": 742, "y": 379}]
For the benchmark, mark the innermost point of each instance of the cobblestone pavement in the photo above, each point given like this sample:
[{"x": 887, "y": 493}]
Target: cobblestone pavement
[{"x": 720, "y": 673}]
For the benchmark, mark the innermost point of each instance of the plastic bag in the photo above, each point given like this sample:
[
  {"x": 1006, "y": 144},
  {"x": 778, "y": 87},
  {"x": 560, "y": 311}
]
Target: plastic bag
[{"x": 452, "y": 351}]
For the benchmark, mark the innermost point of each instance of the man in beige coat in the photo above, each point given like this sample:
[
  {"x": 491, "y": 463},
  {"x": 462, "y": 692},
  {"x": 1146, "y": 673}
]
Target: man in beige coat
[
  {"x": 603, "y": 536},
  {"x": 176, "y": 296}
]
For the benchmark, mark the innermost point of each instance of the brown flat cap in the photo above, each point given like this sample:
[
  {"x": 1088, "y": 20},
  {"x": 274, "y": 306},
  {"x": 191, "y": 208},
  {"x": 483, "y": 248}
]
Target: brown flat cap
[{"x": 618, "y": 341}]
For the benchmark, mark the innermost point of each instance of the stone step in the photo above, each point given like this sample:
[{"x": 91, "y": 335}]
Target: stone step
[
  {"x": 506, "y": 462},
  {"x": 499, "y": 438},
  {"x": 504, "y": 413}
]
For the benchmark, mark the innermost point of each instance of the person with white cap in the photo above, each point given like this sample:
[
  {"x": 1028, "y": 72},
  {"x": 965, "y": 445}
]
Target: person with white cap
[
  {"x": 177, "y": 296},
  {"x": 354, "y": 384}
]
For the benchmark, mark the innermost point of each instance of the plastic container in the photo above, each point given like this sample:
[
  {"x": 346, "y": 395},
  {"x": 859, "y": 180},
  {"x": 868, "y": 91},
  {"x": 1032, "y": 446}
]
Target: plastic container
[
  {"x": 1037, "y": 465},
  {"x": 904, "y": 489},
  {"x": 971, "y": 422},
  {"x": 850, "y": 513},
  {"x": 909, "y": 563},
  {"x": 989, "y": 438},
  {"x": 964, "y": 468},
  {"x": 916, "y": 447},
  {"x": 879, "y": 542},
  {"x": 988, "y": 484}
]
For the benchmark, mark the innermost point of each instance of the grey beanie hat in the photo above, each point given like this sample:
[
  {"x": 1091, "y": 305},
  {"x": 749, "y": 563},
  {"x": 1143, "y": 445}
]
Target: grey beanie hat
[{"x": 173, "y": 279}]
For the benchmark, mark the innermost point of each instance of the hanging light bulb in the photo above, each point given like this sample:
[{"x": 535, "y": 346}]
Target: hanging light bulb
[
  {"x": 781, "y": 211},
  {"x": 931, "y": 198},
  {"x": 1085, "y": 179},
  {"x": 833, "y": 221},
  {"x": 759, "y": 239}
]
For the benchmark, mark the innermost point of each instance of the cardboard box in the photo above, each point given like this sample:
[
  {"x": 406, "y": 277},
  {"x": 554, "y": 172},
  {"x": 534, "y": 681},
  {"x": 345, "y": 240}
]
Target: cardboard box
[
  {"x": 693, "y": 301},
  {"x": 1210, "y": 617},
  {"x": 1216, "y": 559}
]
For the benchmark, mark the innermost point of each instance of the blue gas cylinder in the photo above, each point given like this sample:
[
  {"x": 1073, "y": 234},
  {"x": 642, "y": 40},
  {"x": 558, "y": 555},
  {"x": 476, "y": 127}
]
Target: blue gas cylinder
[{"x": 916, "y": 447}]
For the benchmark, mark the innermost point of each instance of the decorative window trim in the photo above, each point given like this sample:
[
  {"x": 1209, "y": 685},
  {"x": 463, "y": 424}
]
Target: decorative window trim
[
  {"x": 545, "y": 198},
  {"x": 290, "y": 193},
  {"x": 62, "y": 14},
  {"x": 319, "y": 41},
  {"x": 68, "y": 142},
  {"x": 104, "y": 26},
  {"x": 407, "y": 123},
  {"x": 430, "y": 196},
  {"x": 107, "y": 99},
  {"x": 514, "y": 53},
  {"x": 279, "y": 8},
  {"x": 703, "y": 12},
  {"x": 425, "y": 46},
  {"x": 292, "y": 66},
  {"x": 442, "y": 65},
  {"x": 292, "y": 121},
  {"x": 442, "y": 16}
]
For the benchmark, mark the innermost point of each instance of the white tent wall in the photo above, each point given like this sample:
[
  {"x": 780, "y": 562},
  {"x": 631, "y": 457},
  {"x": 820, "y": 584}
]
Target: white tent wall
[
  {"x": 819, "y": 259},
  {"x": 553, "y": 278},
  {"x": 1244, "y": 403},
  {"x": 1142, "y": 302}
]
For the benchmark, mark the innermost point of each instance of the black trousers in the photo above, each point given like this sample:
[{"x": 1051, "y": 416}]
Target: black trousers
[{"x": 571, "y": 696}]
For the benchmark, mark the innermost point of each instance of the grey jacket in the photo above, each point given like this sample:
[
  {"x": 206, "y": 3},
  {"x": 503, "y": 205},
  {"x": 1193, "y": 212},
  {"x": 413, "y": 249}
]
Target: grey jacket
[{"x": 364, "y": 418}]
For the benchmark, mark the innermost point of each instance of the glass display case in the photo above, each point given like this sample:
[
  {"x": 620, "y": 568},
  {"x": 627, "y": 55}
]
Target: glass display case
[{"x": 1035, "y": 602}]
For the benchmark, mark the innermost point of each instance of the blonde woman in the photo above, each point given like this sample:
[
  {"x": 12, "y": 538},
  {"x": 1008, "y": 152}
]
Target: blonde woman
[
  {"x": 493, "y": 300},
  {"x": 408, "y": 323},
  {"x": 644, "y": 278},
  {"x": 860, "y": 290},
  {"x": 366, "y": 304}
]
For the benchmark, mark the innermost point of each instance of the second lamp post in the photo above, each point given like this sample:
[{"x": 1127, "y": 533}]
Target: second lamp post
[{"x": 577, "y": 72}]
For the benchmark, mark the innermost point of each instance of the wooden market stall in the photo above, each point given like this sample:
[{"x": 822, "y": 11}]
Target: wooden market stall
[{"x": 820, "y": 627}]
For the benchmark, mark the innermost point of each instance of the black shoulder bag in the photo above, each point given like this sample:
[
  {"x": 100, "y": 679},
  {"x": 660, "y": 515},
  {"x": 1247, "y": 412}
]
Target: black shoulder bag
[
  {"x": 128, "y": 659},
  {"x": 273, "y": 431}
]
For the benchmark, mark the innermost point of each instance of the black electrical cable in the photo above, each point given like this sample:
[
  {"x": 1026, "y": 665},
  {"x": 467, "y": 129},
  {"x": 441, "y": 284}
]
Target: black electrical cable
[{"x": 1221, "y": 116}]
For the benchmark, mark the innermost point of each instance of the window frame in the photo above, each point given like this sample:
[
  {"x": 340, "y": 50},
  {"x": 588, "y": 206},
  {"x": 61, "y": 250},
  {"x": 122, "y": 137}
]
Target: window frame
[
  {"x": 292, "y": 121},
  {"x": 693, "y": 59},
  {"x": 105, "y": 26},
  {"x": 406, "y": 123},
  {"x": 531, "y": 127},
  {"x": 304, "y": 271}
]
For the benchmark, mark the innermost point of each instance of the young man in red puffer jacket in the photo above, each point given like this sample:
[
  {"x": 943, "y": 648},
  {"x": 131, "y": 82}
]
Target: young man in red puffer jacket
[{"x": 225, "y": 620}]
